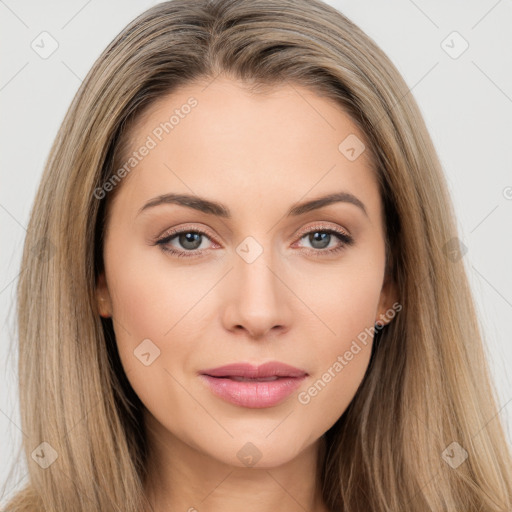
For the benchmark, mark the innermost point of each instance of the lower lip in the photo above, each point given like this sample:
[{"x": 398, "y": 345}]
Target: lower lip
[{"x": 256, "y": 394}]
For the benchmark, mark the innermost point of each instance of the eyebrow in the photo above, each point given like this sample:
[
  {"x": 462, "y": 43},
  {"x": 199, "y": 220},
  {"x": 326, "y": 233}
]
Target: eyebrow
[{"x": 220, "y": 210}]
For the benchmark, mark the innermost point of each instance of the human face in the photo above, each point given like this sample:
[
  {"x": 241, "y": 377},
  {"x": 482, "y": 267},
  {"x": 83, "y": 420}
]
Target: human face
[{"x": 283, "y": 294}]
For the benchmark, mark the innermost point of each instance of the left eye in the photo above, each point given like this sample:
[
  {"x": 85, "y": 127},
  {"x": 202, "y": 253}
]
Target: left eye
[
  {"x": 323, "y": 237},
  {"x": 191, "y": 241}
]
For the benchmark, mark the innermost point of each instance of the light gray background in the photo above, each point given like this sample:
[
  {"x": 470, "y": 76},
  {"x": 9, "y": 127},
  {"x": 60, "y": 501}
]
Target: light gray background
[{"x": 466, "y": 102}]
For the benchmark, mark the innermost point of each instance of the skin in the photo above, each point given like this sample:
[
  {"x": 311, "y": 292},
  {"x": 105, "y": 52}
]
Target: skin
[{"x": 258, "y": 155}]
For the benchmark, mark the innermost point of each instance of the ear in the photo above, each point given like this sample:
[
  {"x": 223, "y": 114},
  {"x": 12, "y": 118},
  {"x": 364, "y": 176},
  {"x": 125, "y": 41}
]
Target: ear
[
  {"x": 103, "y": 297},
  {"x": 388, "y": 302}
]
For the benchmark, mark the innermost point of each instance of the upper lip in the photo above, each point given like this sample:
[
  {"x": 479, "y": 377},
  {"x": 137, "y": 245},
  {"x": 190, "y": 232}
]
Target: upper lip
[{"x": 248, "y": 370}]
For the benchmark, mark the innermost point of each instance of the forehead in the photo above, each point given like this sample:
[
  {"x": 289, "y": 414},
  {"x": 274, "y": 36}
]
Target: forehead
[{"x": 219, "y": 139}]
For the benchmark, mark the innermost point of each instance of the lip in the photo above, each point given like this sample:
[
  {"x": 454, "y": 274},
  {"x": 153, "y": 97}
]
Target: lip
[
  {"x": 270, "y": 369},
  {"x": 254, "y": 393}
]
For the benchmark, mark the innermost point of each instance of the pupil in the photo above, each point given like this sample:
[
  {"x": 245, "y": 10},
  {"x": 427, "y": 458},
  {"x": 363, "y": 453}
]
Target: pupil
[
  {"x": 189, "y": 240},
  {"x": 324, "y": 238}
]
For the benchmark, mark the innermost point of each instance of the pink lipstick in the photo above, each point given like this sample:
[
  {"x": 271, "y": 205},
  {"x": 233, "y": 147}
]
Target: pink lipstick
[{"x": 252, "y": 386}]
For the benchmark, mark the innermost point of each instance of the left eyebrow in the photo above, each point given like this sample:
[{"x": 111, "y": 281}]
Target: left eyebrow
[
  {"x": 218, "y": 209},
  {"x": 338, "y": 197}
]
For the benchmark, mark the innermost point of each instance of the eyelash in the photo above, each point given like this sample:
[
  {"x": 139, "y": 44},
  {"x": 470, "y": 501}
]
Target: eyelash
[{"x": 345, "y": 240}]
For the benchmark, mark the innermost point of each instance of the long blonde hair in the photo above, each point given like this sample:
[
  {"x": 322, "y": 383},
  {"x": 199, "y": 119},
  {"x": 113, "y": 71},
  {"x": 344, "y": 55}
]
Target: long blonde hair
[{"x": 427, "y": 394}]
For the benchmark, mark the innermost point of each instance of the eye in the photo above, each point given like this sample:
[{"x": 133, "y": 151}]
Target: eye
[
  {"x": 189, "y": 239},
  {"x": 321, "y": 237},
  {"x": 188, "y": 242}
]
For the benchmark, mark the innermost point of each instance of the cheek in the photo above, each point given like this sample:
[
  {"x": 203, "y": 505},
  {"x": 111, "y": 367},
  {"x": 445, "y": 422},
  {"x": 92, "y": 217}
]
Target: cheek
[
  {"x": 149, "y": 295},
  {"x": 345, "y": 304},
  {"x": 343, "y": 301},
  {"x": 329, "y": 392},
  {"x": 141, "y": 309},
  {"x": 158, "y": 310},
  {"x": 153, "y": 324}
]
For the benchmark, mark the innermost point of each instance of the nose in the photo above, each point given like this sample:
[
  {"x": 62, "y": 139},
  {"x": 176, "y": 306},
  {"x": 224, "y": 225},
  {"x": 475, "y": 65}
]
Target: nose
[{"x": 258, "y": 300}]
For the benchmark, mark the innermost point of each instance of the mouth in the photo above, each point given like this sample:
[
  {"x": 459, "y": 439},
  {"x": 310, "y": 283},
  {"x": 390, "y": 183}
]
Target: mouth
[
  {"x": 248, "y": 379},
  {"x": 268, "y": 371},
  {"x": 251, "y": 386}
]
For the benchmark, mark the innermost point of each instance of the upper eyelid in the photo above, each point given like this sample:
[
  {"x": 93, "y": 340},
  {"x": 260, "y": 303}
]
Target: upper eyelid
[
  {"x": 203, "y": 230},
  {"x": 185, "y": 229},
  {"x": 320, "y": 226}
]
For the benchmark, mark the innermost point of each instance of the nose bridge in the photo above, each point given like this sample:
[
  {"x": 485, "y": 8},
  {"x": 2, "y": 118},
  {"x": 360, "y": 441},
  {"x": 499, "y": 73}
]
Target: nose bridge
[{"x": 257, "y": 301}]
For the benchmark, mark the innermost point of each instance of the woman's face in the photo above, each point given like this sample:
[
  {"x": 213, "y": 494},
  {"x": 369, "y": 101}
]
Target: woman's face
[{"x": 253, "y": 277}]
